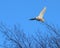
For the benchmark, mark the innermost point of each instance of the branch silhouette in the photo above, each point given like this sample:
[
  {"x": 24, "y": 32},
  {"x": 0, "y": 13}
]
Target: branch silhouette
[{"x": 18, "y": 38}]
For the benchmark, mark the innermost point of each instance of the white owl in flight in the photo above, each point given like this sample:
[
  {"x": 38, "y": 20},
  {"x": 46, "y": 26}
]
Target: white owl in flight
[{"x": 40, "y": 16}]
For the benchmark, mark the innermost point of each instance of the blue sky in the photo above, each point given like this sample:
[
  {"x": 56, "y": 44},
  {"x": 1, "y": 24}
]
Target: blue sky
[{"x": 20, "y": 11}]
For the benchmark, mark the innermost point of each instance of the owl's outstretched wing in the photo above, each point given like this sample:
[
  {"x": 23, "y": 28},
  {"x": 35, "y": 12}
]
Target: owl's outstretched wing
[{"x": 42, "y": 13}]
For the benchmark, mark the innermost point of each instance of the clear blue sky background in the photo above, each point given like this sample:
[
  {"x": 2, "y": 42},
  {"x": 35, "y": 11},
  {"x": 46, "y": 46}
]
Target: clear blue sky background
[{"x": 20, "y": 11}]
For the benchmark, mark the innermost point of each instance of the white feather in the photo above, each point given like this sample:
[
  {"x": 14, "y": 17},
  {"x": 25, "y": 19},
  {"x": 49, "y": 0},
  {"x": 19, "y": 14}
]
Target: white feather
[{"x": 42, "y": 13}]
